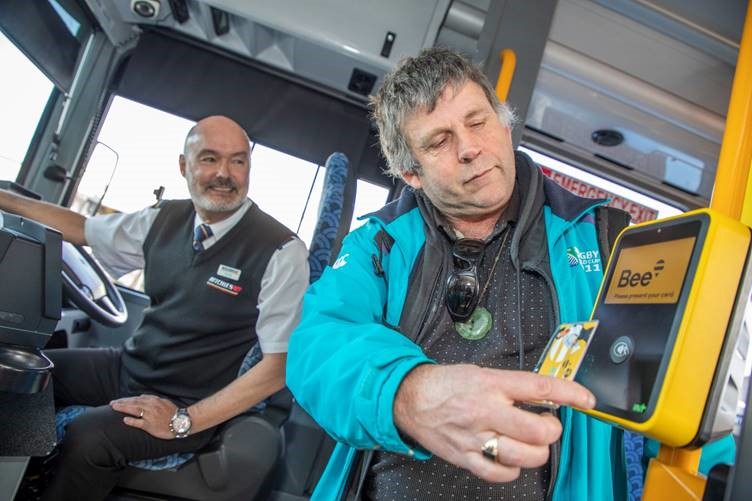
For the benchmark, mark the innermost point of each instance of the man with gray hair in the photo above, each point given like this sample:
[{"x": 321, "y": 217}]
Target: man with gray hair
[
  {"x": 415, "y": 349},
  {"x": 223, "y": 277}
]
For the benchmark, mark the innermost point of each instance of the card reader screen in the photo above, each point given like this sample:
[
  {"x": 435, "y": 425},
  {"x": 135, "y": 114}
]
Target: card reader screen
[
  {"x": 640, "y": 308},
  {"x": 650, "y": 274}
]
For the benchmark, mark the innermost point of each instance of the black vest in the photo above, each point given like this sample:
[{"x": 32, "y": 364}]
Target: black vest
[{"x": 201, "y": 323}]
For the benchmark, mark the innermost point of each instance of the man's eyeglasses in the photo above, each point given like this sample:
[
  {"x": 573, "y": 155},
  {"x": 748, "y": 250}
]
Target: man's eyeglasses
[{"x": 462, "y": 285}]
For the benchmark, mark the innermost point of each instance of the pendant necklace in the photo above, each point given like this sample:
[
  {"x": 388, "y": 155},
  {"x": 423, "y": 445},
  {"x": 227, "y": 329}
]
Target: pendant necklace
[{"x": 480, "y": 322}]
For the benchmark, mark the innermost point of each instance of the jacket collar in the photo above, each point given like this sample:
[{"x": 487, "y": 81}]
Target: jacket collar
[
  {"x": 402, "y": 205},
  {"x": 529, "y": 245},
  {"x": 535, "y": 191}
]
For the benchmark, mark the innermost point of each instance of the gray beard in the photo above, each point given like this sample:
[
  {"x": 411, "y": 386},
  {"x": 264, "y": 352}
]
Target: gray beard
[{"x": 212, "y": 206}]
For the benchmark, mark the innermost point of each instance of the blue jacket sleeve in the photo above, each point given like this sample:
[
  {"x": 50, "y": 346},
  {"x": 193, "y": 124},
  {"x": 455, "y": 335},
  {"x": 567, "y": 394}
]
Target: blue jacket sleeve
[{"x": 344, "y": 365}]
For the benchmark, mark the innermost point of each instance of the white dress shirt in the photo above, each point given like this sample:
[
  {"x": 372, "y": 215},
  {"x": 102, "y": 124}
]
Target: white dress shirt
[{"x": 117, "y": 242}]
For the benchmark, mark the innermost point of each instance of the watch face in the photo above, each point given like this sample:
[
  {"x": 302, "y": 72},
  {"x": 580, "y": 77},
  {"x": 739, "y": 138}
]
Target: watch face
[{"x": 181, "y": 423}]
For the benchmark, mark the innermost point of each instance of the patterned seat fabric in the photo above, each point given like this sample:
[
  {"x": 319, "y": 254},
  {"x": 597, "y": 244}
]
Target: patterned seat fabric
[
  {"x": 633, "y": 452},
  {"x": 330, "y": 212},
  {"x": 325, "y": 234}
]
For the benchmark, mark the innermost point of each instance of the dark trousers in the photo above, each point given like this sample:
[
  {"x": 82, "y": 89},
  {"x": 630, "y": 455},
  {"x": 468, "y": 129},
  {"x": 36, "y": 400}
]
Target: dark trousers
[{"x": 98, "y": 445}]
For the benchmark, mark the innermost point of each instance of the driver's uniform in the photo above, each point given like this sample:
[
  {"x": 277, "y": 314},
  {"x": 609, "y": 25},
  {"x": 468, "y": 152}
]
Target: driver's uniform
[{"x": 206, "y": 311}]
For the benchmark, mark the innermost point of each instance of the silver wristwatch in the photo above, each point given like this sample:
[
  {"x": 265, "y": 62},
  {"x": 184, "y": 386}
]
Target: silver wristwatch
[{"x": 180, "y": 424}]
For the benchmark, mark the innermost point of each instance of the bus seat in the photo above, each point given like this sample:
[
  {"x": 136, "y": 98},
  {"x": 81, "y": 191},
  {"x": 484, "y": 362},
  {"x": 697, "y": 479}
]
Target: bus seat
[
  {"x": 633, "y": 453},
  {"x": 330, "y": 213},
  {"x": 307, "y": 446}
]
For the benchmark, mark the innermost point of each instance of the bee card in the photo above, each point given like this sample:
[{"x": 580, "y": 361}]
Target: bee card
[{"x": 565, "y": 351}]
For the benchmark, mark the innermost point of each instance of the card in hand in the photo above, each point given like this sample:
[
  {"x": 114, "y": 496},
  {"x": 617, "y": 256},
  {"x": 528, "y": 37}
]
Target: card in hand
[{"x": 565, "y": 351}]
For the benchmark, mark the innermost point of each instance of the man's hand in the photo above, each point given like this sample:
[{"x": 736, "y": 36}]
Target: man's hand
[
  {"x": 147, "y": 412},
  {"x": 453, "y": 410}
]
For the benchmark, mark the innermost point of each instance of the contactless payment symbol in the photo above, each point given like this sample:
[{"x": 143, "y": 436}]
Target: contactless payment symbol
[{"x": 621, "y": 349}]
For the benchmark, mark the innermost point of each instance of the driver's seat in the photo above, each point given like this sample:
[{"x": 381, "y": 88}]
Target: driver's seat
[{"x": 226, "y": 457}]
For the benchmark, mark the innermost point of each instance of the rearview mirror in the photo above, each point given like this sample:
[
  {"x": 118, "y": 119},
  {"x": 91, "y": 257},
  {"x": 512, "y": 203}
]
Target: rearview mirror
[{"x": 100, "y": 169}]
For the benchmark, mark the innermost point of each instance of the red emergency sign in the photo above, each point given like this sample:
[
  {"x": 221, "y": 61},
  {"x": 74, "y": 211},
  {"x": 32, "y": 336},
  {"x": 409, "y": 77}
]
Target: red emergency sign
[{"x": 638, "y": 211}]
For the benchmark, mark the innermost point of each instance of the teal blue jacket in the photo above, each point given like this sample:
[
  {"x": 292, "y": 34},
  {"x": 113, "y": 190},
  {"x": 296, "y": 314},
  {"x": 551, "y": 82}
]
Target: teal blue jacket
[{"x": 346, "y": 359}]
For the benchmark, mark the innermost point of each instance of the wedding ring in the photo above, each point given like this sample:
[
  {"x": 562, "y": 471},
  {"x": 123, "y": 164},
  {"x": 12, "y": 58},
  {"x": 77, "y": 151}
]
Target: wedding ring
[
  {"x": 141, "y": 414},
  {"x": 490, "y": 449}
]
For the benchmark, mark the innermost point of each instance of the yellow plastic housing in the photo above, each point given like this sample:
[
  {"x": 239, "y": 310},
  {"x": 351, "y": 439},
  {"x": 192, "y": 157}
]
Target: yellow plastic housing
[{"x": 689, "y": 374}]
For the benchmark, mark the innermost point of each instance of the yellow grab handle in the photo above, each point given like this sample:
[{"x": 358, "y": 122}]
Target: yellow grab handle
[{"x": 506, "y": 72}]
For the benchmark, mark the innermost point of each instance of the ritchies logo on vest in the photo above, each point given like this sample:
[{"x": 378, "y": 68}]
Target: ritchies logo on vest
[{"x": 226, "y": 287}]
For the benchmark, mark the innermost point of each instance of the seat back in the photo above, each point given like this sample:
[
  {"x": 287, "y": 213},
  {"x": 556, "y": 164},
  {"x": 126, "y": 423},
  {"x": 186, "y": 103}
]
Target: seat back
[
  {"x": 325, "y": 240},
  {"x": 307, "y": 446},
  {"x": 323, "y": 244}
]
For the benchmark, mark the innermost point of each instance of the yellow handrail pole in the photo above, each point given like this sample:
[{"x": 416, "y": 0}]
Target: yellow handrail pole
[
  {"x": 673, "y": 475},
  {"x": 736, "y": 149},
  {"x": 685, "y": 459},
  {"x": 506, "y": 72}
]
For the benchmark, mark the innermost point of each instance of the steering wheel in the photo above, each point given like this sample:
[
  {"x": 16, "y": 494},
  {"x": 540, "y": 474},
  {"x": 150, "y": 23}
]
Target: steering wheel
[{"x": 89, "y": 287}]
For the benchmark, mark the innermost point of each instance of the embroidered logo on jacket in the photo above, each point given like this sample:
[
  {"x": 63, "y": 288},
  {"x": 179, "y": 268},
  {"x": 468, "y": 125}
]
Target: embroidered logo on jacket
[
  {"x": 589, "y": 260},
  {"x": 226, "y": 287},
  {"x": 341, "y": 261}
]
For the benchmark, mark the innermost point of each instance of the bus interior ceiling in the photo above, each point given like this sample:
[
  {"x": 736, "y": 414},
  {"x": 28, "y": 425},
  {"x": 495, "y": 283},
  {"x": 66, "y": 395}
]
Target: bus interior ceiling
[{"x": 633, "y": 91}]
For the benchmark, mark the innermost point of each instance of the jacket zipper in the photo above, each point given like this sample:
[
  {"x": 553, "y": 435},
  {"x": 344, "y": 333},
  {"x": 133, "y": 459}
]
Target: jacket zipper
[{"x": 556, "y": 446}]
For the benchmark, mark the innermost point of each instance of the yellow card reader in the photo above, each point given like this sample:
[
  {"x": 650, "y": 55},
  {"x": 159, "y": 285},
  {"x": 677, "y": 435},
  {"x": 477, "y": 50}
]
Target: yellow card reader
[{"x": 658, "y": 363}]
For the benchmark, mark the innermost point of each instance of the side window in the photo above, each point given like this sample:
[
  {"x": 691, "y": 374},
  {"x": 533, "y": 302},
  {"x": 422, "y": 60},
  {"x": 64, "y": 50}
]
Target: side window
[
  {"x": 640, "y": 207},
  {"x": 280, "y": 185},
  {"x": 296, "y": 205},
  {"x": 145, "y": 144},
  {"x": 24, "y": 92},
  {"x": 370, "y": 198}
]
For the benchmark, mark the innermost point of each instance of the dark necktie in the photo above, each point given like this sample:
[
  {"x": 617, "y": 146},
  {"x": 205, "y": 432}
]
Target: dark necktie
[{"x": 201, "y": 233}]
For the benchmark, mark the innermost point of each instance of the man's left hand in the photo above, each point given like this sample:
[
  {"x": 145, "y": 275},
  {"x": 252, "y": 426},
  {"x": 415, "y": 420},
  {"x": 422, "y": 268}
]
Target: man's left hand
[{"x": 147, "y": 412}]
